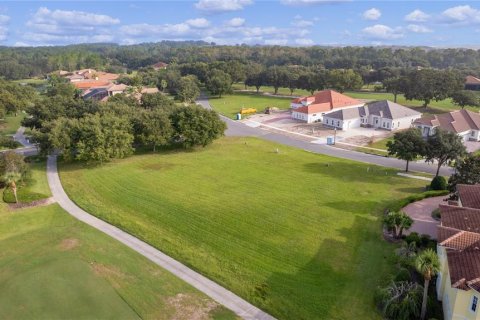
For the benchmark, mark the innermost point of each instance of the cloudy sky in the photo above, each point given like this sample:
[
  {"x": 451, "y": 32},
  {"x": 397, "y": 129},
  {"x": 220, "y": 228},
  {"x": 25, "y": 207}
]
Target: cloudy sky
[{"x": 283, "y": 22}]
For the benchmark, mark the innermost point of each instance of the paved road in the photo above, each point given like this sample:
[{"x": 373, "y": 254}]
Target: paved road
[
  {"x": 241, "y": 307},
  {"x": 236, "y": 128}
]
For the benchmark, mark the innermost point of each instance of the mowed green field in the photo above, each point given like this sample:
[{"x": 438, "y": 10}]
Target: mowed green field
[
  {"x": 55, "y": 267},
  {"x": 296, "y": 233},
  {"x": 230, "y": 105}
]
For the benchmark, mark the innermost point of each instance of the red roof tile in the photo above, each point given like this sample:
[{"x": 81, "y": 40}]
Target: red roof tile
[
  {"x": 469, "y": 195},
  {"x": 325, "y": 101},
  {"x": 91, "y": 84}
]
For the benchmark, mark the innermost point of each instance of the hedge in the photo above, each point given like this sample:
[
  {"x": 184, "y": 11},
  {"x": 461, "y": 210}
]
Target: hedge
[{"x": 399, "y": 204}]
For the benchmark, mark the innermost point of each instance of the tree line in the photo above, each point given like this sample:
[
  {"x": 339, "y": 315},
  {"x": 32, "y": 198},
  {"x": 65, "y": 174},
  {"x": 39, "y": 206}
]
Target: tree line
[
  {"x": 18, "y": 63},
  {"x": 86, "y": 130}
]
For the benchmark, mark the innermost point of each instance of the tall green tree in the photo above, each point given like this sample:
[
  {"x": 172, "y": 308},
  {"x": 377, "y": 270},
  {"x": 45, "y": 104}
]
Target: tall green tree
[
  {"x": 13, "y": 169},
  {"x": 444, "y": 146},
  {"x": 218, "y": 82},
  {"x": 395, "y": 86},
  {"x": 464, "y": 98},
  {"x": 343, "y": 80},
  {"x": 428, "y": 265},
  {"x": 195, "y": 126},
  {"x": 467, "y": 171},
  {"x": 407, "y": 145},
  {"x": 155, "y": 128},
  {"x": 255, "y": 76},
  {"x": 188, "y": 89}
]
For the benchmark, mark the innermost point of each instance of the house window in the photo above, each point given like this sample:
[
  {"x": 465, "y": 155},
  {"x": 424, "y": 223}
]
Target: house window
[
  {"x": 388, "y": 125},
  {"x": 338, "y": 123},
  {"x": 473, "y": 133},
  {"x": 473, "y": 307},
  {"x": 376, "y": 120}
]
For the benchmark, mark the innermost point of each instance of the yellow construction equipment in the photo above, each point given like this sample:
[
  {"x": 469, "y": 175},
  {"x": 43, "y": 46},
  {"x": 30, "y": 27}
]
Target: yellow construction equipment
[{"x": 248, "y": 110}]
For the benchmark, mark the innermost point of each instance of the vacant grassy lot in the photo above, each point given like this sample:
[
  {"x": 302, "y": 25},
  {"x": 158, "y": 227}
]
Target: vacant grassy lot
[
  {"x": 230, "y": 105},
  {"x": 296, "y": 233}
]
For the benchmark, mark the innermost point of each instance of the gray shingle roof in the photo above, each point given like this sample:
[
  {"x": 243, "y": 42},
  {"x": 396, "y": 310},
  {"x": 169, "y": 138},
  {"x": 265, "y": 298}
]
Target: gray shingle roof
[{"x": 385, "y": 109}]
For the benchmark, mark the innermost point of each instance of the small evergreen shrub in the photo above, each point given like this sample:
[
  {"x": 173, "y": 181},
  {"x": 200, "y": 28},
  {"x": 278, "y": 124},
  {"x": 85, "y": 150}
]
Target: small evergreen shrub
[
  {"x": 438, "y": 183},
  {"x": 413, "y": 237},
  {"x": 403, "y": 275}
]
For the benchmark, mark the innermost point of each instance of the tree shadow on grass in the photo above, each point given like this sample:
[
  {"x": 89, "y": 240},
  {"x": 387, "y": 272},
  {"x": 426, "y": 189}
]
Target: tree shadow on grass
[
  {"x": 352, "y": 171},
  {"x": 336, "y": 283}
]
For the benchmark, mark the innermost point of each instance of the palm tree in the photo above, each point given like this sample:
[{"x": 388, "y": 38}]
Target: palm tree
[
  {"x": 428, "y": 265},
  {"x": 401, "y": 300},
  {"x": 397, "y": 221},
  {"x": 11, "y": 178}
]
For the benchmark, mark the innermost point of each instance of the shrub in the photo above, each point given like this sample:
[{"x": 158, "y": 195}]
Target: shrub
[
  {"x": 413, "y": 237},
  {"x": 399, "y": 204},
  {"x": 8, "y": 142},
  {"x": 438, "y": 183},
  {"x": 403, "y": 275},
  {"x": 424, "y": 240},
  {"x": 436, "y": 214}
]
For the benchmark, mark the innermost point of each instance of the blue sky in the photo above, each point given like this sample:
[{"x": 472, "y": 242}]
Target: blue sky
[{"x": 284, "y": 22}]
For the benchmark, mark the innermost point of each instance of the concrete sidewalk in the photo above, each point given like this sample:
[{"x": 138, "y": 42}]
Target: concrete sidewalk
[
  {"x": 223, "y": 296},
  {"x": 421, "y": 213}
]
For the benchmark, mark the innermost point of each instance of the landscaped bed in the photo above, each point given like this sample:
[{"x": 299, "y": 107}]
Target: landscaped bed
[{"x": 296, "y": 233}]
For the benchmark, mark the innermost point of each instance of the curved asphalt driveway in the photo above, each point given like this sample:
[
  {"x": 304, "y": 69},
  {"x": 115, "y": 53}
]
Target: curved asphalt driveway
[
  {"x": 236, "y": 128},
  {"x": 241, "y": 307}
]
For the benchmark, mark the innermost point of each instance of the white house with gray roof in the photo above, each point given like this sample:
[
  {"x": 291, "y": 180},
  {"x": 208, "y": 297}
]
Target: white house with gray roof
[{"x": 383, "y": 114}]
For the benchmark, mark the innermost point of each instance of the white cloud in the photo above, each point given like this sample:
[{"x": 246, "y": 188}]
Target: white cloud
[
  {"x": 304, "y": 42},
  {"x": 382, "y": 32},
  {"x": 417, "y": 16},
  {"x": 235, "y": 22},
  {"x": 60, "y": 26},
  {"x": 461, "y": 15},
  {"x": 170, "y": 31},
  {"x": 372, "y": 14},
  {"x": 21, "y": 44},
  {"x": 418, "y": 28},
  {"x": 310, "y": 2},
  {"x": 198, "y": 23},
  {"x": 299, "y": 22},
  {"x": 72, "y": 18},
  {"x": 216, "y": 6},
  {"x": 276, "y": 42},
  {"x": 4, "y": 19}
]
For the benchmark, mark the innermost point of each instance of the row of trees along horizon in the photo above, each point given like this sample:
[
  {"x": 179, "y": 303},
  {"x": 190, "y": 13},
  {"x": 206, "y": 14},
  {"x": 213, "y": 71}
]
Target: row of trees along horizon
[{"x": 26, "y": 62}]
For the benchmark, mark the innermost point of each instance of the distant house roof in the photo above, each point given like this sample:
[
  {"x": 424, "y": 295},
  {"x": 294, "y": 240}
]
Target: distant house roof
[
  {"x": 472, "y": 80},
  {"x": 160, "y": 65},
  {"x": 385, "y": 109},
  {"x": 325, "y": 101},
  {"x": 457, "y": 121},
  {"x": 118, "y": 87},
  {"x": 100, "y": 75},
  {"x": 469, "y": 195},
  {"x": 75, "y": 77},
  {"x": 83, "y": 85}
]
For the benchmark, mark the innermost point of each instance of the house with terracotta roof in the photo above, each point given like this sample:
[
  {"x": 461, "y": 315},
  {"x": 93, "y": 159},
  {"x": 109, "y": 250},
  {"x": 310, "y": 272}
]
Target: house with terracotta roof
[
  {"x": 458, "y": 248},
  {"x": 383, "y": 114},
  {"x": 160, "y": 65},
  {"x": 472, "y": 83},
  {"x": 89, "y": 84},
  {"x": 463, "y": 122},
  {"x": 313, "y": 108}
]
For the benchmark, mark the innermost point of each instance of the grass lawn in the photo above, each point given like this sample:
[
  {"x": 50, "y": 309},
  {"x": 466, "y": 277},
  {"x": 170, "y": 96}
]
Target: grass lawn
[
  {"x": 296, "y": 233},
  {"x": 380, "y": 144},
  {"x": 10, "y": 124},
  {"x": 230, "y": 105},
  {"x": 55, "y": 267}
]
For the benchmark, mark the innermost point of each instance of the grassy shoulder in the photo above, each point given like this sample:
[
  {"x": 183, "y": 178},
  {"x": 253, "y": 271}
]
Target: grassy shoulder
[
  {"x": 55, "y": 267},
  {"x": 289, "y": 231},
  {"x": 230, "y": 105}
]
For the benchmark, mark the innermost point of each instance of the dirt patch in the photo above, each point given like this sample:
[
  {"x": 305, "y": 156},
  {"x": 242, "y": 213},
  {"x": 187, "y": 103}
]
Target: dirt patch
[
  {"x": 188, "y": 306},
  {"x": 36, "y": 203},
  {"x": 158, "y": 166},
  {"x": 68, "y": 244}
]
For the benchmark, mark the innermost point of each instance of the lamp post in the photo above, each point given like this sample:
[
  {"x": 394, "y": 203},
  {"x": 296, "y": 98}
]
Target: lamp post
[{"x": 335, "y": 135}]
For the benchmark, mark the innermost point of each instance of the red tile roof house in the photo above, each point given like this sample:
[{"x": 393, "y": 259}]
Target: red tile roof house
[
  {"x": 313, "y": 108},
  {"x": 160, "y": 65},
  {"x": 472, "y": 83},
  {"x": 458, "y": 248},
  {"x": 463, "y": 122}
]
